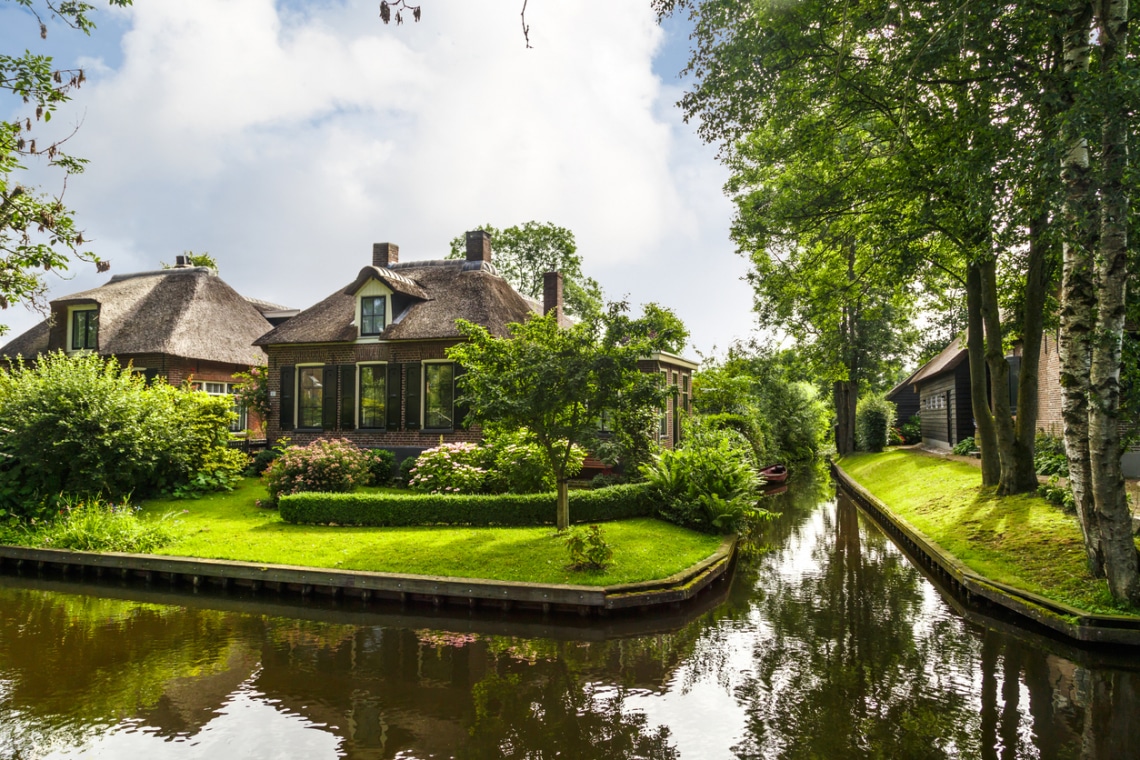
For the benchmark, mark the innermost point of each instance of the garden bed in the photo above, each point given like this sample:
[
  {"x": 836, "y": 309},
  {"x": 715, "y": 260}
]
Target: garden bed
[
  {"x": 1022, "y": 541},
  {"x": 230, "y": 526}
]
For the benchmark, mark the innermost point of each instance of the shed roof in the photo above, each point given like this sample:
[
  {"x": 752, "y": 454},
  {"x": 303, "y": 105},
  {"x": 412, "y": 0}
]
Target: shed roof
[{"x": 950, "y": 357}]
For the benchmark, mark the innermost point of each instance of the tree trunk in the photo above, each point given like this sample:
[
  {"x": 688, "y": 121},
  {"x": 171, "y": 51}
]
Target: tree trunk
[
  {"x": 563, "y": 511},
  {"x": 984, "y": 432},
  {"x": 1077, "y": 292},
  {"x": 1036, "y": 287},
  {"x": 999, "y": 375},
  {"x": 1111, "y": 274},
  {"x": 846, "y": 396}
]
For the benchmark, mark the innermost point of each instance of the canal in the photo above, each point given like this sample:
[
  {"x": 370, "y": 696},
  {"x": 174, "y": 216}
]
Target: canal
[{"x": 831, "y": 644}]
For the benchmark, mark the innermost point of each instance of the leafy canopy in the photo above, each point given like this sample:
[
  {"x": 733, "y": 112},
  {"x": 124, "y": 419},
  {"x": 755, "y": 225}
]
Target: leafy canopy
[
  {"x": 524, "y": 253},
  {"x": 37, "y": 232}
]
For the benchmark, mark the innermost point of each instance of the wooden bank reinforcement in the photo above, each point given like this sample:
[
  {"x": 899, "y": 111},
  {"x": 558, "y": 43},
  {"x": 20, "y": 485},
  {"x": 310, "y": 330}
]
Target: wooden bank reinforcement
[
  {"x": 367, "y": 586},
  {"x": 981, "y": 593}
]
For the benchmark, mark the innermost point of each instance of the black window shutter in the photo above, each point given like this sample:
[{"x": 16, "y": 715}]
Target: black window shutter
[
  {"x": 412, "y": 397},
  {"x": 393, "y": 392},
  {"x": 347, "y": 396},
  {"x": 328, "y": 397},
  {"x": 460, "y": 409},
  {"x": 288, "y": 374},
  {"x": 150, "y": 375}
]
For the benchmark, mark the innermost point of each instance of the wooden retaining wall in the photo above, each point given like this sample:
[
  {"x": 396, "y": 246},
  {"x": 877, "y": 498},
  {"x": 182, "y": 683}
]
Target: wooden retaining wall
[
  {"x": 426, "y": 589},
  {"x": 980, "y": 592}
]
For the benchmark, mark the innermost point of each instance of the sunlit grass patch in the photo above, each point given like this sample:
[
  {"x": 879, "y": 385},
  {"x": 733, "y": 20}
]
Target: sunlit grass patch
[
  {"x": 231, "y": 526},
  {"x": 1022, "y": 540}
]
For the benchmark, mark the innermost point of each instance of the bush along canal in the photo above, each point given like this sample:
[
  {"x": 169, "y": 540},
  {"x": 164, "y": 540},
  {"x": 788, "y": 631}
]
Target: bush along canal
[{"x": 831, "y": 644}]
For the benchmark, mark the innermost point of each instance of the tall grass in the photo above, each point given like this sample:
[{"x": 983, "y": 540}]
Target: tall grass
[{"x": 94, "y": 524}]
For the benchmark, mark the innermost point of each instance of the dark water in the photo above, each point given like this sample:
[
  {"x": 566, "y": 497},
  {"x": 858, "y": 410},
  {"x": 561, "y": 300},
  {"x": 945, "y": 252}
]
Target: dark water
[{"x": 833, "y": 645}]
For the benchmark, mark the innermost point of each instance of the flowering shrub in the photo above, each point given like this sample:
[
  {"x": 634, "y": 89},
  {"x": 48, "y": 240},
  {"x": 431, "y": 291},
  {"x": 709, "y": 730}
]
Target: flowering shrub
[
  {"x": 519, "y": 464},
  {"x": 327, "y": 466},
  {"x": 450, "y": 468}
]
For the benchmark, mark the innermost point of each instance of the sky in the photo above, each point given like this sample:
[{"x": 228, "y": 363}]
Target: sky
[{"x": 285, "y": 138}]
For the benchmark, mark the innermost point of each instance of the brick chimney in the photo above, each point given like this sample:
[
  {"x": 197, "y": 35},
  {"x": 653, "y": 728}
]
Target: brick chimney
[
  {"x": 385, "y": 254},
  {"x": 552, "y": 294},
  {"x": 479, "y": 246}
]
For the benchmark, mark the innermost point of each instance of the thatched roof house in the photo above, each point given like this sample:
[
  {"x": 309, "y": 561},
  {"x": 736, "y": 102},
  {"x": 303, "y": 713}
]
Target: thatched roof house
[
  {"x": 369, "y": 361},
  {"x": 182, "y": 323}
]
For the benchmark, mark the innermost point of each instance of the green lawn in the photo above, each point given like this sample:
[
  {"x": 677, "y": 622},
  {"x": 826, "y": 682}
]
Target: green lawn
[
  {"x": 231, "y": 526},
  {"x": 1022, "y": 541}
]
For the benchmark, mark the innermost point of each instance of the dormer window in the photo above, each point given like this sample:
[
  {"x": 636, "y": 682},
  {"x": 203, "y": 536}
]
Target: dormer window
[
  {"x": 84, "y": 329},
  {"x": 372, "y": 314}
]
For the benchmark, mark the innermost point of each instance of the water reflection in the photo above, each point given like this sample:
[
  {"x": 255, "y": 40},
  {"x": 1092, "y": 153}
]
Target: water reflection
[{"x": 830, "y": 645}]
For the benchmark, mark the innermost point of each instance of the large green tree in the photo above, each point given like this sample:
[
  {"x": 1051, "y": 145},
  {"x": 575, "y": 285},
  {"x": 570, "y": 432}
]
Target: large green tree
[
  {"x": 558, "y": 381},
  {"x": 38, "y": 232},
  {"x": 525, "y": 252}
]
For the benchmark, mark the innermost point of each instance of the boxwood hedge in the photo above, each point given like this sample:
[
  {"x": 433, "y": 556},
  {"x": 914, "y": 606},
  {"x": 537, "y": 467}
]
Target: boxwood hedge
[{"x": 390, "y": 510}]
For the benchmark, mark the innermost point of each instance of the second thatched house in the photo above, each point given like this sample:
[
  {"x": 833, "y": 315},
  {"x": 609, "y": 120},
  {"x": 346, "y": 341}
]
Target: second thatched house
[{"x": 179, "y": 324}]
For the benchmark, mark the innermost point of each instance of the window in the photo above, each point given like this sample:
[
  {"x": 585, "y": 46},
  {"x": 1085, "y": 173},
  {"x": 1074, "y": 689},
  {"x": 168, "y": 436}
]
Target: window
[
  {"x": 439, "y": 396},
  {"x": 685, "y": 392},
  {"x": 372, "y": 315},
  {"x": 84, "y": 329},
  {"x": 226, "y": 389},
  {"x": 373, "y": 389},
  {"x": 310, "y": 397}
]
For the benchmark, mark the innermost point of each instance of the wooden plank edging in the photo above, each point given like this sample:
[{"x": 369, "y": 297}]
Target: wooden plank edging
[
  {"x": 676, "y": 588},
  {"x": 1071, "y": 622}
]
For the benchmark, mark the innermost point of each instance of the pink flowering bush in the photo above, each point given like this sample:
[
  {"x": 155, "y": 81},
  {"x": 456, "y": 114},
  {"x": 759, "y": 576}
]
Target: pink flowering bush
[
  {"x": 450, "y": 468},
  {"x": 335, "y": 466}
]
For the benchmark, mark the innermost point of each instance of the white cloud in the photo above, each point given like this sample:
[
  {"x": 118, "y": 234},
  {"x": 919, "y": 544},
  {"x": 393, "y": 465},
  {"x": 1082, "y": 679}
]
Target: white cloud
[{"x": 285, "y": 140}]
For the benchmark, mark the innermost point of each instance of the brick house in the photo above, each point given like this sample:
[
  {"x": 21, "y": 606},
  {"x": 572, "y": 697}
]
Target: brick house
[
  {"x": 179, "y": 324},
  {"x": 369, "y": 363}
]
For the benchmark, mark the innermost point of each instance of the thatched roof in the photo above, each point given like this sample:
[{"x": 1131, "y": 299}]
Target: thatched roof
[
  {"x": 188, "y": 312},
  {"x": 949, "y": 359},
  {"x": 428, "y": 297}
]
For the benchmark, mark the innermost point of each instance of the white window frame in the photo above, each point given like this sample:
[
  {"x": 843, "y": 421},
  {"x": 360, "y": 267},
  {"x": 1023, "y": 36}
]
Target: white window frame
[
  {"x": 360, "y": 396},
  {"x": 227, "y": 389},
  {"x": 372, "y": 289},
  {"x": 424, "y": 396},
  {"x": 297, "y": 395}
]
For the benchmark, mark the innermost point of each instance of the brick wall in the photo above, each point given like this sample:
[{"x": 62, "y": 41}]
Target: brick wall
[
  {"x": 1049, "y": 387},
  {"x": 339, "y": 354}
]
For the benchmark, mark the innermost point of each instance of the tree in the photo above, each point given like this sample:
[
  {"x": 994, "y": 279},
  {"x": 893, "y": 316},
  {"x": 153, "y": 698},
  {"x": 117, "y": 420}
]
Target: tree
[
  {"x": 37, "y": 232},
  {"x": 557, "y": 382},
  {"x": 524, "y": 253}
]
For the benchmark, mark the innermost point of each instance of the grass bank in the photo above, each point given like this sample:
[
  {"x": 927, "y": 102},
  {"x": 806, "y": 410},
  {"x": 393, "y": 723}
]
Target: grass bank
[
  {"x": 230, "y": 526},
  {"x": 1022, "y": 541}
]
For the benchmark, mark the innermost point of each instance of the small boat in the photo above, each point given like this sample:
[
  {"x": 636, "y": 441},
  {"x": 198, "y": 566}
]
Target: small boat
[{"x": 775, "y": 473}]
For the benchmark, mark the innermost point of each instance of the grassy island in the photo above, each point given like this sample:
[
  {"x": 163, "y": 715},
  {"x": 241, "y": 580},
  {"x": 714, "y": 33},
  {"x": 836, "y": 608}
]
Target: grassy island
[
  {"x": 231, "y": 526},
  {"x": 1022, "y": 541}
]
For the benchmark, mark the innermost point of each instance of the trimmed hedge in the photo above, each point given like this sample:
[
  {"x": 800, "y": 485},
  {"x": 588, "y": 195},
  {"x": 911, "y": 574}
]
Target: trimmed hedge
[{"x": 391, "y": 510}]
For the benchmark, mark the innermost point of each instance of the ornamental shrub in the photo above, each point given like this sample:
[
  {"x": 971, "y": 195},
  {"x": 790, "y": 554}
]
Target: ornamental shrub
[
  {"x": 965, "y": 446},
  {"x": 327, "y": 466},
  {"x": 874, "y": 416},
  {"x": 911, "y": 430},
  {"x": 380, "y": 465},
  {"x": 385, "y": 509},
  {"x": 86, "y": 426},
  {"x": 709, "y": 483},
  {"x": 449, "y": 468}
]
